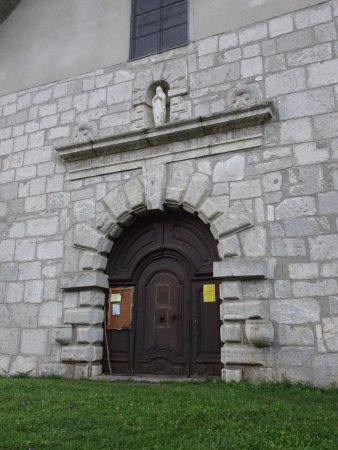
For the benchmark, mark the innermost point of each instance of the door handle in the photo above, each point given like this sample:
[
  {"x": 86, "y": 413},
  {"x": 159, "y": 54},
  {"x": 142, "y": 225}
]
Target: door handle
[{"x": 174, "y": 317}]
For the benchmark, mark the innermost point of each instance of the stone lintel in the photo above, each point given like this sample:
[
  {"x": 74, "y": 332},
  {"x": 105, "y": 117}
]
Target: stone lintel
[
  {"x": 170, "y": 132},
  {"x": 242, "y": 269}
]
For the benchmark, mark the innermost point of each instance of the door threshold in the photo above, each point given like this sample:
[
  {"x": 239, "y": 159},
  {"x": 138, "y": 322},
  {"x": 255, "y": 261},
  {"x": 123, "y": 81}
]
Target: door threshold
[{"x": 151, "y": 378}]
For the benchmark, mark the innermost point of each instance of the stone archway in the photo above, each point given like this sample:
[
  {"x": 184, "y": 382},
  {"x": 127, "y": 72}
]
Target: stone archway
[{"x": 179, "y": 187}]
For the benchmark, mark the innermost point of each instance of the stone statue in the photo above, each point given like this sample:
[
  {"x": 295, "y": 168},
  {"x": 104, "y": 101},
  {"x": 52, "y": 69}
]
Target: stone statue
[
  {"x": 159, "y": 107},
  {"x": 241, "y": 96}
]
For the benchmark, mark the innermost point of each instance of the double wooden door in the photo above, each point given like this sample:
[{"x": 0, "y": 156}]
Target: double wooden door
[{"x": 173, "y": 331}]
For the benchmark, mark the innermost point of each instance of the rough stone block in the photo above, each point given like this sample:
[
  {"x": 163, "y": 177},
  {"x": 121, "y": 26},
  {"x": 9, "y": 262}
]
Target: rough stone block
[
  {"x": 9, "y": 341},
  {"x": 34, "y": 342},
  {"x": 330, "y": 270},
  {"x": 253, "y": 33},
  {"x": 324, "y": 247},
  {"x": 89, "y": 335},
  {"x": 253, "y": 242},
  {"x": 50, "y": 314},
  {"x": 92, "y": 298},
  {"x": 231, "y": 311},
  {"x": 328, "y": 203},
  {"x": 330, "y": 333},
  {"x": 242, "y": 269},
  {"x": 306, "y": 103},
  {"x": 296, "y": 130},
  {"x": 306, "y": 226},
  {"x": 285, "y": 82},
  {"x": 116, "y": 202},
  {"x": 74, "y": 353},
  {"x": 296, "y": 207},
  {"x": 308, "y": 17},
  {"x": 230, "y": 290},
  {"x": 231, "y": 332},
  {"x": 213, "y": 207},
  {"x": 199, "y": 185},
  {"x": 303, "y": 271},
  {"x": 295, "y": 311},
  {"x": 295, "y": 335},
  {"x": 231, "y": 169},
  {"x": 24, "y": 365},
  {"x": 63, "y": 334},
  {"x": 87, "y": 237},
  {"x": 281, "y": 25},
  {"x": 229, "y": 247},
  {"x": 294, "y": 357},
  {"x": 134, "y": 191},
  {"x": 245, "y": 189},
  {"x": 325, "y": 370},
  {"x": 83, "y": 316},
  {"x": 244, "y": 355}
]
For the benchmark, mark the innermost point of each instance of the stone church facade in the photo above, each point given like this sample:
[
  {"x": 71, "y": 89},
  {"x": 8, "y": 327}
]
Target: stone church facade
[{"x": 249, "y": 148}]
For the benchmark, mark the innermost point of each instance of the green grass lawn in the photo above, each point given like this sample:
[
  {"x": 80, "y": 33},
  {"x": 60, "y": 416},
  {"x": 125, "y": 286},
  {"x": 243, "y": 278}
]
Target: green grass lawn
[{"x": 80, "y": 414}]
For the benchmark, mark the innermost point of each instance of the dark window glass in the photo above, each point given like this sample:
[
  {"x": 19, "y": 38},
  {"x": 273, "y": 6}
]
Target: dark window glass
[
  {"x": 174, "y": 37},
  {"x": 143, "y": 6},
  {"x": 147, "y": 23},
  {"x": 158, "y": 25}
]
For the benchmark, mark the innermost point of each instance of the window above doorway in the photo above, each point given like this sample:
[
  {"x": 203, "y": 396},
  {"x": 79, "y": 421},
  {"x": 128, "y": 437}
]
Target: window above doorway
[{"x": 158, "y": 25}]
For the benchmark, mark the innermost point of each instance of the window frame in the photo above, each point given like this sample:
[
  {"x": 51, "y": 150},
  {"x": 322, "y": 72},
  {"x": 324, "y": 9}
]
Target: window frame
[{"x": 132, "y": 33}]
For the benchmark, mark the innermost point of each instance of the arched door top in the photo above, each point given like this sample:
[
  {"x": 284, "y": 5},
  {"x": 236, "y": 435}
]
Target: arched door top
[{"x": 172, "y": 232}]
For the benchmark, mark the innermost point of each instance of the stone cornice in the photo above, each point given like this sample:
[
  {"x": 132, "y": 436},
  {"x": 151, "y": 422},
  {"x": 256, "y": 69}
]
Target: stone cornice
[{"x": 230, "y": 119}]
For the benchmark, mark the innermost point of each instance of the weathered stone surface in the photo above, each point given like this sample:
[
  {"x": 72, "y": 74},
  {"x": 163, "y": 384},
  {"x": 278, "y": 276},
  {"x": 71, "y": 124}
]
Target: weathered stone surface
[
  {"x": 244, "y": 355},
  {"x": 229, "y": 247},
  {"x": 230, "y": 290},
  {"x": 81, "y": 353},
  {"x": 299, "y": 356},
  {"x": 325, "y": 370},
  {"x": 89, "y": 335},
  {"x": 324, "y": 247},
  {"x": 253, "y": 242},
  {"x": 295, "y": 335},
  {"x": 213, "y": 207},
  {"x": 87, "y": 237},
  {"x": 198, "y": 188},
  {"x": 116, "y": 202},
  {"x": 134, "y": 191},
  {"x": 83, "y": 316},
  {"x": 178, "y": 181},
  {"x": 34, "y": 342},
  {"x": 231, "y": 169},
  {"x": 245, "y": 189},
  {"x": 303, "y": 271},
  {"x": 231, "y": 332},
  {"x": 243, "y": 310},
  {"x": 241, "y": 268},
  {"x": 92, "y": 298},
  {"x": 50, "y": 314},
  {"x": 330, "y": 333},
  {"x": 63, "y": 334},
  {"x": 9, "y": 341},
  {"x": 295, "y": 311},
  {"x": 85, "y": 280}
]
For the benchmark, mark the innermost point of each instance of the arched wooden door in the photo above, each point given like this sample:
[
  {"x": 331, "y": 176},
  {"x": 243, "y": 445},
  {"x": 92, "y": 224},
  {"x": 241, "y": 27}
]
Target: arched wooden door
[{"x": 167, "y": 259}]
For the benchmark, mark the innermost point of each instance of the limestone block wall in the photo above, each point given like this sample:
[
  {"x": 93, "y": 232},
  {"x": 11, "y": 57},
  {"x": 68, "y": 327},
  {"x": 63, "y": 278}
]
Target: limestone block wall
[{"x": 269, "y": 192}]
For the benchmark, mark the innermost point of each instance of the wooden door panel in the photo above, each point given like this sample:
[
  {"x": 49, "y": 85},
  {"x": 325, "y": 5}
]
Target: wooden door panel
[
  {"x": 206, "y": 343},
  {"x": 160, "y": 337}
]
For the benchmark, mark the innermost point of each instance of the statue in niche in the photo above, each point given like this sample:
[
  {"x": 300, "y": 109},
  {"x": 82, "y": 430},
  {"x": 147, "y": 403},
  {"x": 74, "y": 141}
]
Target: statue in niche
[{"x": 159, "y": 107}]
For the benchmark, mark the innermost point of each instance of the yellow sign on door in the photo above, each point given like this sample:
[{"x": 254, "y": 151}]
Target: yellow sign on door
[{"x": 209, "y": 293}]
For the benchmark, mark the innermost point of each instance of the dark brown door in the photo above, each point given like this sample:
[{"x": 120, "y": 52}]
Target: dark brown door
[
  {"x": 162, "y": 341},
  {"x": 167, "y": 259}
]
